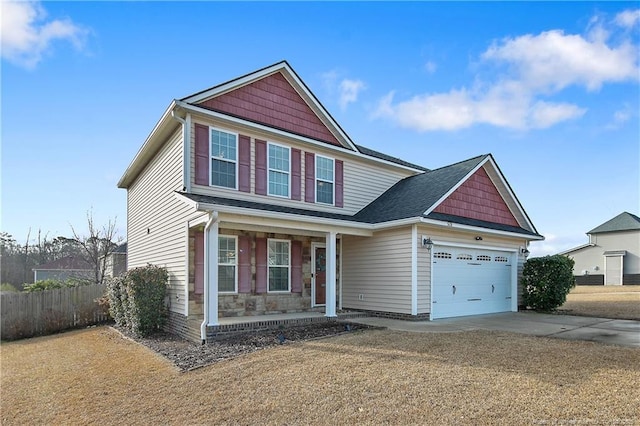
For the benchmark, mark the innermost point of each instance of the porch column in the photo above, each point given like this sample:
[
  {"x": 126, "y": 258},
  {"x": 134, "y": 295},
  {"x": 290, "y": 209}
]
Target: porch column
[
  {"x": 330, "y": 303},
  {"x": 211, "y": 273}
]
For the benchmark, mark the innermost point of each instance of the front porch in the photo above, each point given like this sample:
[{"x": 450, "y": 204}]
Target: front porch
[{"x": 190, "y": 327}]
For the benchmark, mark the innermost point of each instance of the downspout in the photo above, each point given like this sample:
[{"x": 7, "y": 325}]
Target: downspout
[
  {"x": 213, "y": 217},
  {"x": 186, "y": 149}
]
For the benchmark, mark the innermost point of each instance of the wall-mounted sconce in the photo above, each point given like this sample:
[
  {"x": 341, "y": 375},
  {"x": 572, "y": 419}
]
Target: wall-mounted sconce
[
  {"x": 426, "y": 242},
  {"x": 524, "y": 251},
  {"x": 478, "y": 238}
]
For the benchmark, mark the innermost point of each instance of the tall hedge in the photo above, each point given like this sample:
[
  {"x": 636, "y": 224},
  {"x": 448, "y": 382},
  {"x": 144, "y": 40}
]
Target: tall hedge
[
  {"x": 137, "y": 299},
  {"x": 547, "y": 281}
]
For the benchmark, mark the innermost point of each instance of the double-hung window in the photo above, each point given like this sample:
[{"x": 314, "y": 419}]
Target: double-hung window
[
  {"x": 224, "y": 158},
  {"x": 325, "y": 180},
  {"x": 279, "y": 170},
  {"x": 227, "y": 265},
  {"x": 279, "y": 264}
]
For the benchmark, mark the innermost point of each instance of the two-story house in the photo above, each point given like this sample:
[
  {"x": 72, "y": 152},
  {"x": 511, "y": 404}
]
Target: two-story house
[{"x": 257, "y": 201}]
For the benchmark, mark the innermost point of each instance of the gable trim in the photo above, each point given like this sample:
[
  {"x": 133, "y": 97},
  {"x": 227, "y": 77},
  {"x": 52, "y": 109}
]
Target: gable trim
[
  {"x": 489, "y": 159},
  {"x": 290, "y": 75}
]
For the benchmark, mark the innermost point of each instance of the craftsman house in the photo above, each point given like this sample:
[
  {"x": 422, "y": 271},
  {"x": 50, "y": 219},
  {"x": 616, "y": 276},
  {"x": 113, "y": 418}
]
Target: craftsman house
[{"x": 257, "y": 202}]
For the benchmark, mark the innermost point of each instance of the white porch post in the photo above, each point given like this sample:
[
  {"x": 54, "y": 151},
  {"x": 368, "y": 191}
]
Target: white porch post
[
  {"x": 330, "y": 304},
  {"x": 211, "y": 273}
]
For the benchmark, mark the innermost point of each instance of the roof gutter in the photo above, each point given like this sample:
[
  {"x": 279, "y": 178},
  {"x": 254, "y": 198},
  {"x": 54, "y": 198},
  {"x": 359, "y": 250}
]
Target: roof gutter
[
  {"x": 454, "y": 225},
  {"x": 213, "y": 217}
]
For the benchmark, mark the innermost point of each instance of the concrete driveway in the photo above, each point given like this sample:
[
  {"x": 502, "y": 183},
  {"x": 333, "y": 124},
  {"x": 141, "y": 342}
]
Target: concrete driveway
[{"x": 601, "y": 330}]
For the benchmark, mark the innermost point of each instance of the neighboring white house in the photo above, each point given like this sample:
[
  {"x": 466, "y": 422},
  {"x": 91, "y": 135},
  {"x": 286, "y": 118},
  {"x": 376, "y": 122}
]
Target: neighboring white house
[
  {"x": 116, "y": 262},
  {"x": 257, "y": 202},
  {"x": 612, "y": 255}
]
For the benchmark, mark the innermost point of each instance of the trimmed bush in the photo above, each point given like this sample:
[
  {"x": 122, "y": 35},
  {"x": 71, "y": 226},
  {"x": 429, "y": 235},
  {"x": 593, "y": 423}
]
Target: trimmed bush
[
  {"x": 547, "y": 281},
  {"x": 137, "y": 299}
]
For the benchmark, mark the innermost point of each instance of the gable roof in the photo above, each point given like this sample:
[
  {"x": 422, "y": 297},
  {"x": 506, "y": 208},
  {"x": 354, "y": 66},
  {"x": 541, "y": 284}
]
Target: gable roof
[
  {"x": 169, "y": 122},
  {"x": 290, "y": 89},
  {"x": 414, "y": 195},
  {"x": 623, "y": 222},
  {"x": 67, "y": 263}
]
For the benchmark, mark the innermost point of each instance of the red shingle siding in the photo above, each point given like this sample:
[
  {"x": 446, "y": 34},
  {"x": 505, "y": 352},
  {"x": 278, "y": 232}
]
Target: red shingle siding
[
  {"x": 274, "y": 102},
  {"x": 478, "y": 198}
]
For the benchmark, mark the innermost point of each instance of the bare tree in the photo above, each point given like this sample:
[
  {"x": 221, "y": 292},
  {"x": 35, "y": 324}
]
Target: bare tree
[{"x": 97, "y": 245}]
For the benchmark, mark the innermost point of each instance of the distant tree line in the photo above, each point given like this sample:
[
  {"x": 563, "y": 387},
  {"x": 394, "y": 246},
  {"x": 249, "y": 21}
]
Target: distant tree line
[{"x": 18, "y": 260}]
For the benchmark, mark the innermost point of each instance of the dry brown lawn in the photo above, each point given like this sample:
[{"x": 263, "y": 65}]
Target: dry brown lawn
[
  {"x": 95, "y": 376},
  {"x": 619, "y": 302}
]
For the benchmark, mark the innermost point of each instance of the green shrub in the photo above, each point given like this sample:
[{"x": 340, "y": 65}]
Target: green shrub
[
  {"x": 51, "y": 284},
  {"x": 137, "y": 299},
  {"x": 118, "y": 304},
  {"x": 547, "y": 281},
  {"x": 44, "y": 285},
  {"x": 8, "y": 287}
]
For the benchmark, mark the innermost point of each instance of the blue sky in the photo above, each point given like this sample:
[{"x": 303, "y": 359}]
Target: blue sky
[{"x": 550, "y": 89}]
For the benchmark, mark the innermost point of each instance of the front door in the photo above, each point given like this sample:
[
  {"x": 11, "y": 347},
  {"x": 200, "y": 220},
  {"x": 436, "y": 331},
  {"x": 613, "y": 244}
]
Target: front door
[{"x": 319, "y": 275}]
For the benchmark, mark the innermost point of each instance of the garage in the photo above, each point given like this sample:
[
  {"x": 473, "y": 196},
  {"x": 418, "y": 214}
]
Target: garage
[{"x": 468, "y": 281}]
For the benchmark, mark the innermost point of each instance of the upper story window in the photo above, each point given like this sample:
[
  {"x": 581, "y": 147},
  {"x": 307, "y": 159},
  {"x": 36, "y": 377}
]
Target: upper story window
[
  {"x": 224, "y": 159},
  {"x": 279, "y": 165},
  {"x": 325, "y": 181}
]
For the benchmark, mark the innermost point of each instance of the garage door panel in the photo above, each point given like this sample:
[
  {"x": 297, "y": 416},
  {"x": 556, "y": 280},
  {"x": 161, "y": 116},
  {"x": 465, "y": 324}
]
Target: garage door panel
[{"x": 470, "y": 281}]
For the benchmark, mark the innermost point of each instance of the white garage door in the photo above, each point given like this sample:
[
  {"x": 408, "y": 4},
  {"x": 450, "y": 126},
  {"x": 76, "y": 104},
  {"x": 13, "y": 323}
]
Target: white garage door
[{"x": 470, "y": 282}]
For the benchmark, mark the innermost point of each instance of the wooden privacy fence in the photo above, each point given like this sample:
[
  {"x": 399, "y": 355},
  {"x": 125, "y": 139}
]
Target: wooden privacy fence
[{"x": 45, "y": 312}]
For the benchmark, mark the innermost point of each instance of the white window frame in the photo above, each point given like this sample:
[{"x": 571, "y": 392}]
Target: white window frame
[
  {"x": 279, "y": 266},
  {"x": 211, "y": 157},
  {"x": 333, "y": 183},
  {"x": 235, "y": 265},
  {"x": 269, "y": 169}
]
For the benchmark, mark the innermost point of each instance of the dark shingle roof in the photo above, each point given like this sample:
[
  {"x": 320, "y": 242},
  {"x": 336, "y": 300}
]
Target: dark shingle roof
[
  {"x": 412, "y": 196},
  {"x": 263, "y": 206},
  {"x": 371, "y": 153},
  {"x": 409, "y": 198},
  {"x": 122, "y": 248},
  {"x": 623, "y": 222}
]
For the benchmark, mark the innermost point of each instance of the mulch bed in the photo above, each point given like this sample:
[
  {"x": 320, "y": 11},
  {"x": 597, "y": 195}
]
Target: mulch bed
[{"x": 187, "y": 355}]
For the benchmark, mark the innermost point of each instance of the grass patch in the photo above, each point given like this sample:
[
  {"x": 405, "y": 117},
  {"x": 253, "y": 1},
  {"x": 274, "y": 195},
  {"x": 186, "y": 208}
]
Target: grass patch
[
  {"x": 95, "y": 376},
  {"x": 616, "y": 302}
]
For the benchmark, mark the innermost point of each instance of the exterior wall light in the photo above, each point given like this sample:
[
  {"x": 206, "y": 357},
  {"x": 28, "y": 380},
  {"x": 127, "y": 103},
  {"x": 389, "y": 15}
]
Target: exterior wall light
[{"x": 426, "y": 242}]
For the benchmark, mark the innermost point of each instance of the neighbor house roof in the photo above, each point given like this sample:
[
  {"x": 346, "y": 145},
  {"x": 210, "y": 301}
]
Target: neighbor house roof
[
  {"x": 121, "y": 249},
  {"x": 623, "y": 222},
  {"x": 67, "y": 263}
]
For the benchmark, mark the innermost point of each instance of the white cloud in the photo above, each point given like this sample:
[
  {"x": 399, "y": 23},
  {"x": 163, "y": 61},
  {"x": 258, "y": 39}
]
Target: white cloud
[
  {"x": 553, "y": 60},
  {"x": 546, "y": 114},
  {"x": 505, "y": 105},
  {"x": 430, "y": 67},
  {"x": 536, "y": 67},
  {"x": 621, "y": 116},
  {"x": 628, "y": 18},
  {"x": 27, "y": 35},
  {"x": 349, "y": 91}
]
